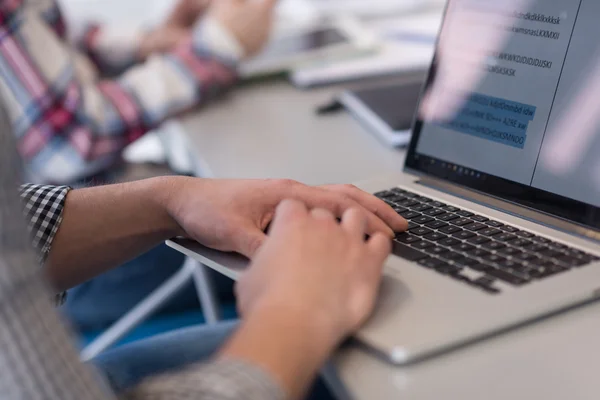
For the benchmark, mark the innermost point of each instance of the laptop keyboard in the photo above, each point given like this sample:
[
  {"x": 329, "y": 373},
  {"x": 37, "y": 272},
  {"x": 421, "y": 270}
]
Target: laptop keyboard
[{"x": 475, "y": 249}]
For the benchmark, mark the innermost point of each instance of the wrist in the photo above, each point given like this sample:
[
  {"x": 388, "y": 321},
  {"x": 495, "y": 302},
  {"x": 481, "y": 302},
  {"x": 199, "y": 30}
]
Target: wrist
[
  {"x": 166, "y": 193},
  {"x": 285, "y": 342}
]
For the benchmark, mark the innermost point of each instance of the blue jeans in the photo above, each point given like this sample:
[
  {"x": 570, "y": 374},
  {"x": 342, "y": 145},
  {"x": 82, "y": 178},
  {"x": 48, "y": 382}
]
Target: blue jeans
[
  {"x": 126, "y": 366},
  {"x": 98, "y": 303}
]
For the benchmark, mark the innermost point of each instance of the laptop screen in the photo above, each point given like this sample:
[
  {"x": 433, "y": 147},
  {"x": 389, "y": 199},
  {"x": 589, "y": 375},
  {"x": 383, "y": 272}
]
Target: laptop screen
[{"x": 512, "y": 104}]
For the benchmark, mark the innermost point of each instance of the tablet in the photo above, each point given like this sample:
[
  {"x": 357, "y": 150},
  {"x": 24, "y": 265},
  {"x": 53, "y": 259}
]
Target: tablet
[
  {"x": 386, "y": 111},
  {"x": 315, "y": 45}
]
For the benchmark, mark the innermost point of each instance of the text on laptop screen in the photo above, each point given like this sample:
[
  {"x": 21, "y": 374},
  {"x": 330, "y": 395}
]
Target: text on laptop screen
[{"x": 515, "y": 93}]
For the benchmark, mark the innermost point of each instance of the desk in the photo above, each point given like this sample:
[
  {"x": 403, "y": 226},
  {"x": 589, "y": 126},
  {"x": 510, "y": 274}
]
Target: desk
[{"x": 271, "y": 131}]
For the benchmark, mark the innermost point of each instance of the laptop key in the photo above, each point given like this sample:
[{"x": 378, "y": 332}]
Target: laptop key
[
  {"x": 463, "y": 235},
  {"x": 451, "y": 209},
  {"x": 539, "y": 239},
  {"x": 423, "y": 219},
  {"x": 410, "y": 194},
  {"x": 479, "y": 218},
  {"x": 530, "y": 257},
  {"x": 507, "y": 277},
  {"x": 509, "y": 229},
  {"x": 481, "y": 267},
  {"x": 410, "y": 214},
  {"x": 436, "y": 224},
  {"x": 480, "y": 253},
  {"x": 521, "y": 243},
  {"x": 450, "y": 229},
  {"x": 490, "y": 232},
  {"x": 570, "y": 261},
  {"x": 385, "y": 194},
  {"x": 406, "y": 252},
  {"x": 451, "y": 255},
  {"x": 449, "y": 242},
  {"x": 477, "y": 226},
  {"x": 478, "y": 240},
  {"x": 461, "y": 221},
  {"x": 421, "y": 231},
  {"x": 464, "y": 213},
  {"x": 422, "y": 245},
  {"x": 431, "y": 263},
  {"x": 505, "y": 237},
  {"x": 421, "y": 207},
  {"x": 494, "y": 258},
  {"x": 536, "y": 248},
  {"x": 465, "y": 261},
  {"x": 408, "y": 203},
  {"x": 526, "y": 235},
  {"x": 436, "y": 251},
  {"x": 406, "y": 238},
  {"x": 550, "y": 253},
  {"x": 510, "y": 251},
  {"x": 434, "y": 212},
  {"x": 435, "y": 237},
  {"x": 423, "y": 199},
  {"x": 437, "y": 204},
  {"x": 463, "y": 247},
  {"x": 398, "y": 190},
  {"x": 551, "y": 270},
  {"x": 448, "y": 269},
  {"x": 494, "y": 224},
  {"x": 493, "y": 245},
  {"x": 448, "y": 217}
]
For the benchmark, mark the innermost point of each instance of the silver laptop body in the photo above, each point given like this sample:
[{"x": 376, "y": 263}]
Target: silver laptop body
[{"x": 489, "y": 144}]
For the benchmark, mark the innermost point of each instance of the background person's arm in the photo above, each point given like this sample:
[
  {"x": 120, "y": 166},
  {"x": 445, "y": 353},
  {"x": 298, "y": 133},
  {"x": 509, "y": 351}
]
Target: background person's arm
[{"x": 70, "y": 126}]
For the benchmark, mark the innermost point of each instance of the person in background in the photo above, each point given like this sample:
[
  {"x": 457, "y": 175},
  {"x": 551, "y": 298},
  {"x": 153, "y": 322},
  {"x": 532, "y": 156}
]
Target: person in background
[
  {"x": 72, "y": 123},
  {"x": 312, "y": 282}
]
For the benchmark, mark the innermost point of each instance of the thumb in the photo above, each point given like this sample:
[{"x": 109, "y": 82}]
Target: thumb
[{"x": 250, "y": 240}]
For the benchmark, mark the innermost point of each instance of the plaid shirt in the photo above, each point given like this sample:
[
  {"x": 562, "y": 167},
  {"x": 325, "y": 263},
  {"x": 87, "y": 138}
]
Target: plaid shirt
[
  {"x": 37, "y": 358},
  {"x": 69, "y": 124}
]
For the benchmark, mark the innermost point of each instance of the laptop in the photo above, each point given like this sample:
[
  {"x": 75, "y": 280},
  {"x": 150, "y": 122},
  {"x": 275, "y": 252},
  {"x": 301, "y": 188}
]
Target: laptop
[{"x": 501, "y": 185}]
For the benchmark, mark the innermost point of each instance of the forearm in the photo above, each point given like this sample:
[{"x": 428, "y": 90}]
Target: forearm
[
  {"x": 289, "y": 346},
  {"x": 105, "y": 226}
]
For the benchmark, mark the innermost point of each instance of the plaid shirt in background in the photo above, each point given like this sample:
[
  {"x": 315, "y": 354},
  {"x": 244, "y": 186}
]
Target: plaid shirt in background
[{"x": 69, "y": 124}]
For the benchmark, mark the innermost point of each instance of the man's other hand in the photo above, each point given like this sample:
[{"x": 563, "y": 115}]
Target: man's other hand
[
  {"x": 314, "y": 266},
  {"x": 232, "y": 215}
]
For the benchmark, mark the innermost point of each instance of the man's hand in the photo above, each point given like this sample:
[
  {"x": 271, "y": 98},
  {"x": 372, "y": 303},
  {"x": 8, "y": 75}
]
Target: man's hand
[
  {"x": 175, "y": 29},
  {"x": 250, "y": 21},
  {"x": 313, "y": 283},
  {"x": 232, "y": 215}
]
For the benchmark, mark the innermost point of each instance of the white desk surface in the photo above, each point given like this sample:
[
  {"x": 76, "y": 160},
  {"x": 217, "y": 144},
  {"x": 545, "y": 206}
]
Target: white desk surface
[{"x": 270, "y": 130}]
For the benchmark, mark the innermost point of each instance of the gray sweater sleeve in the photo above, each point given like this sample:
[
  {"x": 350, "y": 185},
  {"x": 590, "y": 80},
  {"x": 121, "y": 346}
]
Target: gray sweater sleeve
[{"x": 37, "y": 357}]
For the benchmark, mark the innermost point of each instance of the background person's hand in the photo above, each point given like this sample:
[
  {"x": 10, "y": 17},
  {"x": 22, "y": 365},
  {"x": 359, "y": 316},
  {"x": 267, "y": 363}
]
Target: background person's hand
[
  {"x": 250, "y": 21},
  {"x": 176, "y": 28},
  {"x": 317, "y": 269},
  {"x": 232, "y": 215}
]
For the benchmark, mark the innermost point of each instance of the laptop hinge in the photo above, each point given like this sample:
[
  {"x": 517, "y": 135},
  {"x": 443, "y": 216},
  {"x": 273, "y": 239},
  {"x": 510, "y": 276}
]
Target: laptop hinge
[{"x": 512, "y": 208}]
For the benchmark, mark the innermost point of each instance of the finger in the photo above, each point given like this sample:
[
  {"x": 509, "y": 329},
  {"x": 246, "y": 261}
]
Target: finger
[
  {"x": 322, "y": 214},
  {"x": 289, "y": 210},
  {"x": 338, "y": 203},
  {"x": 354, "y": 221},
  {"x": 375, "y": 206},
  {"x": 380, "y": 247},
  {"x": 249, "y": 240}
]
